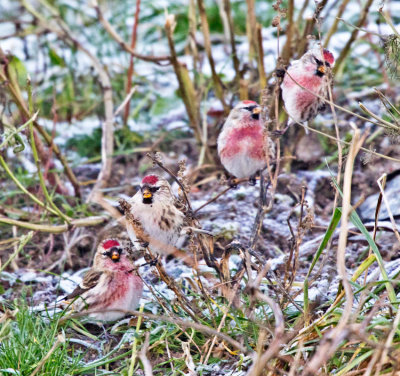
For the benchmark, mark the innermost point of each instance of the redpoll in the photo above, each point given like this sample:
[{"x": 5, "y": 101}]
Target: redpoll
[
  {"x": 243, "y": 144},
  {"x": 152, "y": 218},
  {"x": 311, "y": 71},
  {"x": 110, "y": 284}
]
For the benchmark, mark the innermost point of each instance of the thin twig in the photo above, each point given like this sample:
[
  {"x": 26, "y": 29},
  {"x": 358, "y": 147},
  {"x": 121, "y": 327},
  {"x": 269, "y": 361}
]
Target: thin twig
[
  {"x": 381, "y": 183},
  {"x": 346, "y": 49},
  {"x": 55, "y": 229},
  {"x": 125, "y": 102},
  {"x": 131, "y": 66},
  {"x": 218, "y": 86},
  {"x": 22, "y": 107},
  {"x": 148, "y": 370},
  {"x": 170, "y": 173},
  {"x": 125, "y": 46},
  {"x": 24, "y": 239},
  {"x": 107, "y": 140},
  {"x": 334, "y": 26}
]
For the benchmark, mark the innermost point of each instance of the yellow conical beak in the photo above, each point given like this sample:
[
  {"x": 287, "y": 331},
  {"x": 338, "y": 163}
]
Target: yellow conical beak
[
  {"x": 256, "y": 110},
  {"x": 115, "y": 255},
  {"x": 322, "y": 69},
  {"x": 147, "y": 194}
]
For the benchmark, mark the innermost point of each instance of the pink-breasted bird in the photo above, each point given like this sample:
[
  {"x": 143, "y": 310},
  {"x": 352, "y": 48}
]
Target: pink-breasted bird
[
  {"x": 152, "y": 216},
  {"x": 243, "y": 144},
  {"x": 312, "y": 71},
  {"x": 111, "y": 283}
]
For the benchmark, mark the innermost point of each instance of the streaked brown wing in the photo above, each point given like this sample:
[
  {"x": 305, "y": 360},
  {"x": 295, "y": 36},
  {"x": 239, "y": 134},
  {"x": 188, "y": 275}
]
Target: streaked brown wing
[{"x": 89, "y": 281}]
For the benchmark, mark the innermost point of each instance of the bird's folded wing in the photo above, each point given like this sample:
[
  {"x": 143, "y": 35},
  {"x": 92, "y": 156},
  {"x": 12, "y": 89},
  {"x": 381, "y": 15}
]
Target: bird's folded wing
[{"x": 90, "y": 280}]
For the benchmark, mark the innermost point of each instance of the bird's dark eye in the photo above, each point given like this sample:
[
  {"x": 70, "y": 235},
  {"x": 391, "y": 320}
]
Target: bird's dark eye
[
  {"x": 107, "y": 253},
  {"x": 249, "y": 108},
  {"x": 154, "y": 189},
  {"x": 319, "y": 62}
]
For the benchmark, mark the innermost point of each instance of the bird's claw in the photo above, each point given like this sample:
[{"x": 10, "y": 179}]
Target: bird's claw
[
  {"x": 144, "y": 244},
  {"x": 151, "y": 262},
  {"x": 280, "y": 73},
  {"x": 232, "y": 182},
  {"x": 253, "y": 179},
  {"x": 190, "y": 213},
  {"x": 154, "y": 261},
  {"x": 279, "y": 133}
]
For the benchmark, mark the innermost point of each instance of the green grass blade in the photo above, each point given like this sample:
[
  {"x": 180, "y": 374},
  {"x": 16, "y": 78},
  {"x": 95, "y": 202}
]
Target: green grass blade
[
  {"x": 356, "y": 220},
  {"x": 328, "y": 234},
  {"x": 355, "y": 362}
]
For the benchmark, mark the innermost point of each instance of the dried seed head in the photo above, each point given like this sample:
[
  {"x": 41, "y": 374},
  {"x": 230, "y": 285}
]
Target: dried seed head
[
  {"x": 276, "y": 21},
  {"x": 170, "y": 22},
  {"x": 368, "y": 157},
  {"x": 158, "y": 157},
  {"x": 391, "y": 44}
]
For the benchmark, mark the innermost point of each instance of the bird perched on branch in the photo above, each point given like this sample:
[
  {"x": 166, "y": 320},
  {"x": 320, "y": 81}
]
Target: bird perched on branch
[
  {"x": 243, "y": 144},
  {"x": 112, "y": 283},
  {"x": 313, "y": 72},
  {"x": 152, "y": 217}
]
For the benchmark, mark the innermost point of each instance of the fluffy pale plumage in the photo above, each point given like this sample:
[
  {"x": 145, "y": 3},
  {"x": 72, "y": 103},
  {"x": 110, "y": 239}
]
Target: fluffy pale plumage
[
  {"x": 153, "y": 206},
  {"x": 110, "y": 284},
  {"x": 313, "y": 71},
  {"x": 243, "y": 143}
]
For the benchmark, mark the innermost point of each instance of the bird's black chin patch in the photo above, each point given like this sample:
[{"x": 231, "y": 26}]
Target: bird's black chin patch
[
  {"x": 148, "y": 201},
  {"x": 255, "y": 116},
  {"x": 319, "y": 73},
  {"x": 114, "y": 261}
]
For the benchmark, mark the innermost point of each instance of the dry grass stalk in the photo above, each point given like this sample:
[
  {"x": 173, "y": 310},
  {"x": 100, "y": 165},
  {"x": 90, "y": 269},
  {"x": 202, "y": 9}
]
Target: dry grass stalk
[
  {"x": 110, "y": 30},
  {"x": 332, "y": 340},
  {"x": 107, "y": 140},
  {"x": 251, "y": 30},
  {"x": 287, "y": 48},
  {"x": 334, "y": 26},
  {"x": 55, "y": 229},
  {"x": 381, "y": 183},
  {"x": 308, "y": 30},
  {"x": 186, "y": 86},
  {"x": 19, "y": 100},
  {"x": 260, "y": 360},
  {"x": 173, "y": 320},
  {"x": 218, "y": 86},
  {"x": 235, "y": 59},
  {"x": 346, "y": 49},
  {"x": 148, "y": 369}
]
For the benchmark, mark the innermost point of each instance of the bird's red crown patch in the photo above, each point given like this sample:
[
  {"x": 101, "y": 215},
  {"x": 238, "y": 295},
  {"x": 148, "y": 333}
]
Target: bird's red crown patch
[
  {"x": 328, "y": 57},
  {"x": 249, "y": 102},
  {"x": 110, "y": 243},
  {"x": 150, "y": 179}
]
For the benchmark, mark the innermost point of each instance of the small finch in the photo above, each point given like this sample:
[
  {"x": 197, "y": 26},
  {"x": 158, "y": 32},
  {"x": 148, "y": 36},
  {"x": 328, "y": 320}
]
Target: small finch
[
  {"x": 312, "y": 71},
  {"x": 159, "y": 220},
  {"x": 243, "y": 144},
  {"x": 110, "y": 284}
]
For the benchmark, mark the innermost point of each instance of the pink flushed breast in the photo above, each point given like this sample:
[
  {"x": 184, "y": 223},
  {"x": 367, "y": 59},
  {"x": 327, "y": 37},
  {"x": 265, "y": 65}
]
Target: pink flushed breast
[
  {"x": 304, "y": 99},
  {"x": 248, "y": 139},
  {"x": 309, "y": 81},
  {"x": 119, "y": 289}
]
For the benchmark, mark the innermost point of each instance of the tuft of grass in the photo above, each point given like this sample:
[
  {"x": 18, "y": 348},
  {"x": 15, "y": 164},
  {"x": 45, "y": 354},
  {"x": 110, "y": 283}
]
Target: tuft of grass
[{"x": 27, "y": 337}]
